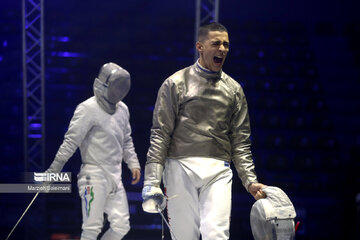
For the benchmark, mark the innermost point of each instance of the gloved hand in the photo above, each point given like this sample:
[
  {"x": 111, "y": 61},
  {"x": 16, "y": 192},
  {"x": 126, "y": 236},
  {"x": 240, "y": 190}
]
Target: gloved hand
[
  {"x": 45, "y": 187},
  {"x": 154, "y": 199}
]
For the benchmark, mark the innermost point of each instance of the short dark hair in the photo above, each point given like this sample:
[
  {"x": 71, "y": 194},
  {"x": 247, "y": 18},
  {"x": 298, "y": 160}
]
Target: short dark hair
[{"x": 205, "y": 29}]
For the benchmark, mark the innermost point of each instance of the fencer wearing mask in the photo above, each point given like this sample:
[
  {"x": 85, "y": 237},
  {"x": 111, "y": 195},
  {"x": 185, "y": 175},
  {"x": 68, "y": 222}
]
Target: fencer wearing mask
[{"x": 100, "y": 128}]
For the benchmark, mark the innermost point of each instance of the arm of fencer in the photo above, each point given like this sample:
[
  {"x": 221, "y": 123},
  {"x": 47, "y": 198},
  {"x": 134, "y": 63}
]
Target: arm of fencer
[
  {"x": 79, "y": 126},
  {"x": 165, "y": 111},
  {"x": 153, "y": 197},
  {"x": 153, "y": 174},
  {"x": 163, "y": 123},
  {"x": 240, "y": 141},
  {"x": 129, "y": 154}
]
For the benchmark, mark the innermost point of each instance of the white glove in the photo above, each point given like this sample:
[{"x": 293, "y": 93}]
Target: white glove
[
  {"x": 45, "y": 187},
  {"x": 154, "y": 199}
]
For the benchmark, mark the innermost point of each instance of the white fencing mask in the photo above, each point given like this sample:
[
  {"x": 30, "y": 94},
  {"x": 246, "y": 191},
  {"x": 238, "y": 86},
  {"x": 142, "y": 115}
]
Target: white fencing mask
[
  {"x": 272, "y": 218},
  {"x": 111, "y": 86}
]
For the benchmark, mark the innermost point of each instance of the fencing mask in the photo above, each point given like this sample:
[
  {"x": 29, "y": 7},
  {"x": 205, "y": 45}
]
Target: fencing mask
[
  {"x": 272, "y": 218},
  {"x": 111, "y": 86}
]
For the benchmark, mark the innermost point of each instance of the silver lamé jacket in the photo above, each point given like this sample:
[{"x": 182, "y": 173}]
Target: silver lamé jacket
[{"x": 199, "y": 113}]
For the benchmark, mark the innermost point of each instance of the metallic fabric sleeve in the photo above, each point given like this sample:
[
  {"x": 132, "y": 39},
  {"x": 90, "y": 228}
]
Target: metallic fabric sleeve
[
  {"x": 163, "y": 123},
  {"x": 240, "y": 141},
  {"x": 153, "y": 174}
]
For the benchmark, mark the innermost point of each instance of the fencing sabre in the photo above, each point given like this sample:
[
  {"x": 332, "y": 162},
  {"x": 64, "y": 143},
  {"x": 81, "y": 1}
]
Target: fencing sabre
[
  {"x": 164, "y": 219},
  {"x": 23, "y": 214}
]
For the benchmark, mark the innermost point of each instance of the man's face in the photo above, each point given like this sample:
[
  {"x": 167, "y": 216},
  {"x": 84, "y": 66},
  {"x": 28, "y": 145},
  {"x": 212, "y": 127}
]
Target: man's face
[{"x": 213, "y": 50}]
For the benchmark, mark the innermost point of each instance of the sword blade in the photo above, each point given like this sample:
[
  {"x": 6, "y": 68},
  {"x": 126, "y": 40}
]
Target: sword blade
[
  {"x": 163, "y": 217},
  {"x": 23, "y": 214}
]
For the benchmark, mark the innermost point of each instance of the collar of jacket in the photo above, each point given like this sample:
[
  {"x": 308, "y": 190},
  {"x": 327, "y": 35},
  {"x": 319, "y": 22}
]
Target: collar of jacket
[{"x": 207, "y": 74}]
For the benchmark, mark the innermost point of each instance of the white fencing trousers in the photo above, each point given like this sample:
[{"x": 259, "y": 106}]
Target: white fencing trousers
[
  {"x": 199, "y": 192},
  {"x": 98, "y": 196}
]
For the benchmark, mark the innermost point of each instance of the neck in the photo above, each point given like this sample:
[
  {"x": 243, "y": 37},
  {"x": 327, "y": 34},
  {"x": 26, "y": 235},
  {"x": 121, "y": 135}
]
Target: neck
[
  {"x": 208, "y": 74},
  {"x": 201, "y": 65}
]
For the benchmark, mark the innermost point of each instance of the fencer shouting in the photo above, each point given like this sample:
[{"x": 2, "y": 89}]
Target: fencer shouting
[
  {"x": 200, "y": 126},
  {"x": 100, "y": 127}
]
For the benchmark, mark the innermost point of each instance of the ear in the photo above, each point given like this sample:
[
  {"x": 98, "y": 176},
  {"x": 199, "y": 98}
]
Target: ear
[{"x": 199, "y": 46}]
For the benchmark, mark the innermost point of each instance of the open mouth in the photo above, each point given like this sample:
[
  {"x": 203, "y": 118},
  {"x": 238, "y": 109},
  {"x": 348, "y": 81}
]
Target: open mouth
[{"x": 218, "y": 60}]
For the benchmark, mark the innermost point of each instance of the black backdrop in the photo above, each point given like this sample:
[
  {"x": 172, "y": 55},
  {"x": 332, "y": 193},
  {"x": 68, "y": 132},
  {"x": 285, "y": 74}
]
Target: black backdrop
[{"x": 297, "y": 61}]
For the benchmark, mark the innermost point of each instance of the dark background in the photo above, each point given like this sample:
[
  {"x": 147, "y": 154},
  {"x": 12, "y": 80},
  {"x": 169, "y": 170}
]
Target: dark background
[{"x": 298, "y": 62}]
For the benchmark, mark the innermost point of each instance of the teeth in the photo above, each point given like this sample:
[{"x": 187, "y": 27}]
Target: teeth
[{"x": 217, "y": 59}]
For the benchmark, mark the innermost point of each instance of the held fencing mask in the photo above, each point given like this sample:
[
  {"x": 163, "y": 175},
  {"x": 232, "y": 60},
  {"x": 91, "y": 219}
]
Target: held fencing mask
[
  {"x": 111, "y": 86},
  {"x": 272, "y": 218}
]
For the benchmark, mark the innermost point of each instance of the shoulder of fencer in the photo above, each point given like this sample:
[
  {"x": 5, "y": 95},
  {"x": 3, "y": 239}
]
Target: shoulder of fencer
[
  {"x": 89, "y": 105},
  {"x": 89, "y": 101},
  {"x": 122, "y": 107},
  {"x": 176, "y": 81},
  {"x": 232, "y": 84},
  {"x": 179, "y": 76},
  {"x": 229, "y": 80}
]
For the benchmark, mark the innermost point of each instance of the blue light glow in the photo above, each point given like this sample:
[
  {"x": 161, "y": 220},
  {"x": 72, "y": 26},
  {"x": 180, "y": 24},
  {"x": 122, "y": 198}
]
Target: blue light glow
[
  {"x": 35, "y": 126},
  {"x": 34, "y": 135},
  {"x": 261, "y": 54},
  {"x": 61, "y": 38},
  {"x": 267, "y": 85},
  {"x": 67, "y": 54},
  {"x": 148, "y": 226}
]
